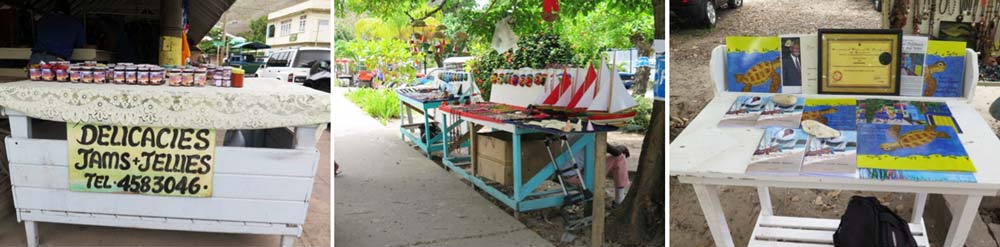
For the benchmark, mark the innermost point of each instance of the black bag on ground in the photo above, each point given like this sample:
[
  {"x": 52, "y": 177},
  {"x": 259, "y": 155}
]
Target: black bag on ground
[{"x": 867, "y": 223}]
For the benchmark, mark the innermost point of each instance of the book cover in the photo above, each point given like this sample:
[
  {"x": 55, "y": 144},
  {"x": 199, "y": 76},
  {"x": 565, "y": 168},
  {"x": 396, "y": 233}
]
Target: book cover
[
  {"x": 744, "y": 111},
  {"x": 834, "y": 156},
  {"x": 933, "y": 176},
  {"x": 883, "y": 111},
  {"x": 774, "y": 115},
  {"x": 753, "y": 64},
  {"x": 911, "y": 74},
  {"x": 779, "y": 152},
  {"x": 791, "y": 64},
  {"x": 945, "y": 69},
  {"x": 937, "y": 113},
  {"x": 838, "y": 113},
  {"x": 911, "y": 147}
]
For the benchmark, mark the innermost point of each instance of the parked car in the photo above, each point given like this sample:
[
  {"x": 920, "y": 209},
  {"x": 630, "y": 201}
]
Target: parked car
[
  {"x": 292, "y": 65},
  {"x": 627, "y": 78},
  {"x": 700, "y": 12}
]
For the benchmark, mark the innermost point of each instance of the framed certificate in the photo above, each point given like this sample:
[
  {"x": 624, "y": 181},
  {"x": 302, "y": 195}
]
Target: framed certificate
[{"x": 853, "y": 61}]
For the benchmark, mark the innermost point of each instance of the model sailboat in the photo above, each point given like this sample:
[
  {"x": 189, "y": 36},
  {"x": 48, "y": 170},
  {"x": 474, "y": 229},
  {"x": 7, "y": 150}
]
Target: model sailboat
[
  {"x": 612, "y": 104},
  {"x": 600, "y": 95}
]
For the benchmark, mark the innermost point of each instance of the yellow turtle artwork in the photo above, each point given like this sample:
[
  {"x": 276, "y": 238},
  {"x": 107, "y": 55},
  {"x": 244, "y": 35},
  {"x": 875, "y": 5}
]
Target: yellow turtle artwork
[
  {"x": 759, "y": 74},
  {"x": 818, "y": 115},
  {"x": 911, "y": 139},
  {"x": 930, "y": 83}
]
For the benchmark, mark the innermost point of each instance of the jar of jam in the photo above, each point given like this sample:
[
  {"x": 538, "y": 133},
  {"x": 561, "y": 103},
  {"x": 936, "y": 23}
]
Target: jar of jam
[
  {"x": 119, "y": 75},
  {"x": 131, "y": 74},
  {"x": 237, "y": 78},
  {"x": 187, "y": 77},
  {"x": 201, "y": 77},
  {"x": 100, "y": 74},
  {"x": 86, "y": 74},
  {"x": 156, "y": 76},
  {"x": 46, "y": 71},
  {"x": 74, "y": 74},
  {"x": 174, "y": 77},
  {"x": 34, "y": 73},
  {"x": 142, "y": 77},
  {"x": 217, "y": 77},
  {"x": 61, "y": 74}
]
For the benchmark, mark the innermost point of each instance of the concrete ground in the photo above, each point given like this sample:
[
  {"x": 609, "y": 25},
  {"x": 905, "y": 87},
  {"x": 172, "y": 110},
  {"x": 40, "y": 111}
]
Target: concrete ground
[
  {"x": 316, "y": 231},
  {"x": 392, "y": 195}
]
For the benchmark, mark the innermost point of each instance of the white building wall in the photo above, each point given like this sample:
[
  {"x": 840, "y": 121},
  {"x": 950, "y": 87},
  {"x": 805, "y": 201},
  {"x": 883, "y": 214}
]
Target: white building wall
[{"x": 314, "y": 34}]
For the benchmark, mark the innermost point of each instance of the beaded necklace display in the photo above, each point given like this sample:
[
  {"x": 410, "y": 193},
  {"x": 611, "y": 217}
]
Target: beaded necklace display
[{"x": 930, "y": 19}]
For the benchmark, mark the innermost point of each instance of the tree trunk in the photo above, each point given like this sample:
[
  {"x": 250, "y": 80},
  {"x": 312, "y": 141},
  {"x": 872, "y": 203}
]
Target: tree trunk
[
  {"x": 640, "y": 218},
  {"x": 645, "y": 49}
]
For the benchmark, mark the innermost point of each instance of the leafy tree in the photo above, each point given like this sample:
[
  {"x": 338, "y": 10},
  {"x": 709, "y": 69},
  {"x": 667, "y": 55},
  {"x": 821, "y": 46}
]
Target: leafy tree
[
  {"x": 258, "y": 30},
  {"x": 211, "y": 46}
]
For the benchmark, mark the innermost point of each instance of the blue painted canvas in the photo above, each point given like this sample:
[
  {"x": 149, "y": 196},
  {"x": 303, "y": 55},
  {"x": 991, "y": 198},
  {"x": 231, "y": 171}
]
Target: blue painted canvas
[
  {"x": 753, "y": 64},
  {"x": 944, "y": 69}
]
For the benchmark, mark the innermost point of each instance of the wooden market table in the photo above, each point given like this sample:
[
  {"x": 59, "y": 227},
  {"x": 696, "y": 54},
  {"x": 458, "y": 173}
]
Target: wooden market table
[
  {"x": 708, "y": 157},
  {"x": 524, "y": 196},
  {"x": 256, "y": 190}
]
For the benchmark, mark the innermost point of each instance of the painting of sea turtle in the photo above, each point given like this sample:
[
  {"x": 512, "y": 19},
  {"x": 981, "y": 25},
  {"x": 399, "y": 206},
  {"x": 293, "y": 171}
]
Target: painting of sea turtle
[
  {"x": 945, "y": 72},
  {"x": 911, "y": 147},
  {"x": 753, "y": 64},
  {"x": 760, "y": 73},
  {"x": 838, "y": 113},
  {"x": 915, "y": 138}
]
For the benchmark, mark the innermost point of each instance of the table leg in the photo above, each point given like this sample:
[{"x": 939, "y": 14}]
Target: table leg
[
  {"x": 287, "y": 240},
  {"x": 31, "y": 231},
  {"x": 918, "y": 208},
  {"x": 765, "y": 201},
  {"x": 427, "y": 134},
  {"x": 403, "y": 109},
  {"x": 597, "y": 229},
  {"x": 708, "y": 197},
  {"x": 961, "y": 221}
]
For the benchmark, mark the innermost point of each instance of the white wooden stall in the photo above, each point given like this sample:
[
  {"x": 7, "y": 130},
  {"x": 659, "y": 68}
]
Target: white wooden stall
[
  {"x": 697, "y": 162},
  {"x": 256, "y": 190}
]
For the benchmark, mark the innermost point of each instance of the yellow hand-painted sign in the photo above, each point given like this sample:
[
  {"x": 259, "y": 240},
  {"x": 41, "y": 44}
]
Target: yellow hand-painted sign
[{"x": 141, "y": 160}]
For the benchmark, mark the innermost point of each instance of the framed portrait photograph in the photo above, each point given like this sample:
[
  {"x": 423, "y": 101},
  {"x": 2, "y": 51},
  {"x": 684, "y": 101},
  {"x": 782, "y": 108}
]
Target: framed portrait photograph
[{"x": 859, "y": 61}]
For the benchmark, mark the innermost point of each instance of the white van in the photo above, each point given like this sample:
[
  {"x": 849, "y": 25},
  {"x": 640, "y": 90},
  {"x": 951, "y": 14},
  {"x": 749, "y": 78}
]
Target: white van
[{"x": 292, "y": 65}]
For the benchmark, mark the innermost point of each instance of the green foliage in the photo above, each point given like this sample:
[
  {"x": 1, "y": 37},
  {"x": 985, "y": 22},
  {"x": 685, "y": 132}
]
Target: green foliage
[
  {"x": 391, "y": 56},
  {"x": 640, "y": 122},
  {"x": 210, "y": 47},
  {"x": 381, "y": 104},
  {"x": 258, "y": 30},
  {"x": 606, "y": 27}
]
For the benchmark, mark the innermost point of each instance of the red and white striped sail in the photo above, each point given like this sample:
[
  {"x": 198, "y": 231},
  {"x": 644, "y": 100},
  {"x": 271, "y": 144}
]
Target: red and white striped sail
[
  {"x": 585, "y": 96},
  {"x": 575, "y": 83},
  {"x": 561, "y": 86}
]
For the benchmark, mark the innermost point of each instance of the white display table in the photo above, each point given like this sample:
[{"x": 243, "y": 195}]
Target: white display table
[{"x": 708, "y": 157}]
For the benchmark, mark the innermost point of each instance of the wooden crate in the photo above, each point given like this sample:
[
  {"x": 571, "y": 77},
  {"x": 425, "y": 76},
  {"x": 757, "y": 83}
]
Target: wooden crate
[{"x": 495, "y": 160}]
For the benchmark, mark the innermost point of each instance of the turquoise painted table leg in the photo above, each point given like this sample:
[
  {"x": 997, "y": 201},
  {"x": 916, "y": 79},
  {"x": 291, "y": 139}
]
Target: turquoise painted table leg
[
  {"x": 517, "y": 167},
  {"x": 427, "y": 133}
]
